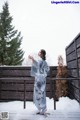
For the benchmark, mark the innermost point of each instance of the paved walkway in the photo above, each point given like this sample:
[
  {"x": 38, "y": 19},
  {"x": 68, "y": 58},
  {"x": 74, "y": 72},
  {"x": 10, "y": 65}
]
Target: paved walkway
[{"x": 54, "y": 115}]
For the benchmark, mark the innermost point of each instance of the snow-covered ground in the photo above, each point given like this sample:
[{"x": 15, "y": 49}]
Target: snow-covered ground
[{"x": 17, "y": 112}]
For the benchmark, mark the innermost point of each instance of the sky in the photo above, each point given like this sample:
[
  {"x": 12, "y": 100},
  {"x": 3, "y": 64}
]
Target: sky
[
  {"x": 45, "y": 26},
  {"x": 65, "y": 109}
]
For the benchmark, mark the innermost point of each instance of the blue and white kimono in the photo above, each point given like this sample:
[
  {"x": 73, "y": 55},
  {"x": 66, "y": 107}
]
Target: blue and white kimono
[{"x": 40, "y": 70}]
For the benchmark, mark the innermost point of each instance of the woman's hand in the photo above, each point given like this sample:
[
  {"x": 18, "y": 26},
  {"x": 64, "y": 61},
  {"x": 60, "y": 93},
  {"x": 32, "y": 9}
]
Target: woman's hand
[{"x": 30, "y": 57}]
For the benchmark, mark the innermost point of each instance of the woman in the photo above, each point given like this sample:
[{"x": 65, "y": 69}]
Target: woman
[{"x": 40, "y": 70}]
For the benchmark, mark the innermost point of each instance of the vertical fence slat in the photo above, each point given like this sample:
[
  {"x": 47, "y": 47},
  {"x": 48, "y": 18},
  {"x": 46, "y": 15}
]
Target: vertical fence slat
[
  {"x": 24, "y": 94},
  {"x": 54, "y": 94},
  {"x": 0, "y": 89},
  {"x": 51, "y": 85},
  {"x": 52, "y": 89}
]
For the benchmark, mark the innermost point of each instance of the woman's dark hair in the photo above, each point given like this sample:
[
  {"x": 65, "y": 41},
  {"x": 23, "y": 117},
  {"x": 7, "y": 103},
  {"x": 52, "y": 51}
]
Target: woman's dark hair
[{"x": 43, "y": 53}]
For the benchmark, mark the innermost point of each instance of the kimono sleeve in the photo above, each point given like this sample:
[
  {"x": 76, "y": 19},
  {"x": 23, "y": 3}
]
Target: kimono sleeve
[
  {"x": 34, "y": 68},
  {"x": 46, "y": 69}
]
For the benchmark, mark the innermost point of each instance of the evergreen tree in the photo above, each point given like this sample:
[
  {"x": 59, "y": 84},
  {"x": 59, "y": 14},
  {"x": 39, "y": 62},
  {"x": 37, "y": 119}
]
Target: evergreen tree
[{"x": 10, "y": 40}]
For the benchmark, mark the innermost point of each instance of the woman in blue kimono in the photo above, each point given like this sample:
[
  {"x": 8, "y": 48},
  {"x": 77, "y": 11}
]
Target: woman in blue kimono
[{"x": 40, "y": 70}]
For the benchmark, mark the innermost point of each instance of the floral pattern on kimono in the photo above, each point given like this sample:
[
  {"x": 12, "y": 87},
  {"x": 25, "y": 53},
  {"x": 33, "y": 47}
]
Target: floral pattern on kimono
[{"x": 40, "y": 70}]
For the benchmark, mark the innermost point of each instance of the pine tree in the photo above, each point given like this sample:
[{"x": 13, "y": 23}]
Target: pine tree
[{"x": 10, "y": 40}]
